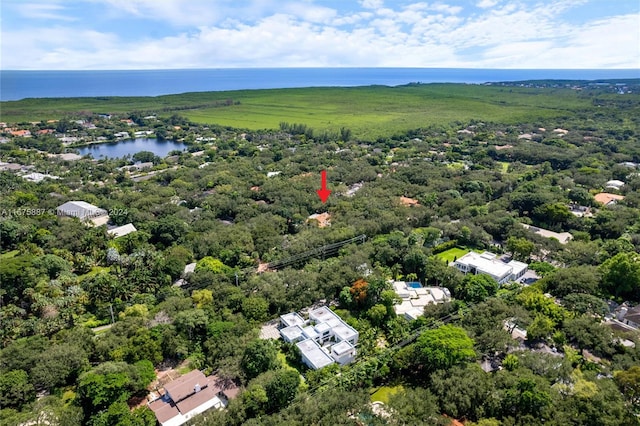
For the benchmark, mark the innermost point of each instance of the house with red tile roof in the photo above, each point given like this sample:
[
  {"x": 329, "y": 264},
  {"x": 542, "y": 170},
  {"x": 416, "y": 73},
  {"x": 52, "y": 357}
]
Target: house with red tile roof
[
  {"x": 190, "y": 395},
  {"x": 608, "y": 199}
]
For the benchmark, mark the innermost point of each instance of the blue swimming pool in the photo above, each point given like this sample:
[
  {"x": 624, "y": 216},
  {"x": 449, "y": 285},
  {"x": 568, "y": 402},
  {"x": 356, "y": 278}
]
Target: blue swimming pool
[{"x": 414, "y": 285}]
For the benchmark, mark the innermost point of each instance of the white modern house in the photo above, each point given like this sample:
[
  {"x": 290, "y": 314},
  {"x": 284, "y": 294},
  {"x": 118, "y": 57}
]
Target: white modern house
[
  {"x": 488, "y": 263},
  {"x": 190, "y": 395},
  {"x": 323, "y": 338},
  {"x": 415, "y": 298}
]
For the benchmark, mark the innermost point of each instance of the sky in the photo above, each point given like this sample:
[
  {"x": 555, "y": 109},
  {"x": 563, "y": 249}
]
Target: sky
[{"x": 170, "y": 34}]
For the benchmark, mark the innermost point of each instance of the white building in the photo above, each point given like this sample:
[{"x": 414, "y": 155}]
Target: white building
[
  {"x": 84, "y": 211},
  {"x": 322, "y": 339},
  {"x": 487, "y": 263},
  {"x": 121, "y": 231},
  {"x": 39, "y": 177},
  {"x": 614, "y": 184},
  {"x": 415, "y": 298}
]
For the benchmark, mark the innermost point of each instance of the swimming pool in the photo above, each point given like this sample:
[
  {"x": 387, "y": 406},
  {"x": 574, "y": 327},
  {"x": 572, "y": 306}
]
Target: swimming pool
[{"x": 414, "y": 285}]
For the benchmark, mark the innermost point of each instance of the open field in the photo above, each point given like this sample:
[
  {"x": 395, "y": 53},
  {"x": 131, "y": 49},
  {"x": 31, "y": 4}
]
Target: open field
[
  {"x": 369, "y": 111},
  {"x": 453, "y": 253},
  {"x": 383, "y": 393}
]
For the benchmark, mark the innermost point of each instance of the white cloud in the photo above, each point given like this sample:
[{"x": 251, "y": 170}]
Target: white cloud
[
  {"x": 308, "y": 34},
  {"x": 485, "y": 4},
  {"x": 371, "y": 4},
  {"x": 47, "y": 11}
]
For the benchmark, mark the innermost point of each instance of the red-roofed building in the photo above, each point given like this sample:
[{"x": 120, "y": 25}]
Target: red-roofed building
[
  {"x": 21, "y": 133},
  {"x": 190, "y": 395}
]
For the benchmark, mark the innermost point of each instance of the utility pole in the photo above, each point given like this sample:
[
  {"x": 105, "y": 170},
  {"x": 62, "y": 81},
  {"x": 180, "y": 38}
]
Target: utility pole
[{"x": 111, "y": 310}]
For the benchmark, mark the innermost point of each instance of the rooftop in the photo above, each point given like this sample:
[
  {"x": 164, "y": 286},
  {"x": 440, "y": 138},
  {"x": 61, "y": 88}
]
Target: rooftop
[
  {"x": 314, "y": 353},
  {"x": 563, "y": 237},
  {"x": 292, "y": 319},
  {"x": 121, "y": 231},
  {"x": 292, "y": 333},
  {"x": 607, "y": 198},
  {"x": 185, "y": 385},
  {"x": 485, "y": 263}
]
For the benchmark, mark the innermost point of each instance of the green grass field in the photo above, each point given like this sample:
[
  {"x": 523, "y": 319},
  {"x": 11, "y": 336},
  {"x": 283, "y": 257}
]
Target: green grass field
[
  {"x": 369, "y": 111},
  {"x": 383, "y": 393},
  {"x": 453, "y": 253}
]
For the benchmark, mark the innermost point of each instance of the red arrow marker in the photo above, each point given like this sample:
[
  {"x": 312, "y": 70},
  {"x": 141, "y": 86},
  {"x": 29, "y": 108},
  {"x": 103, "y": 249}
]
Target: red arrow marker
[{"x": 323, "y": 192}]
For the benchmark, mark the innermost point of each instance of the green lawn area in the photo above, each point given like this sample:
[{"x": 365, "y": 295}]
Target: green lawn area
[
  {"x": 385, "y": 392},
  {"x": 369, "y": 111},
  {"x": 453, "y": 253}
]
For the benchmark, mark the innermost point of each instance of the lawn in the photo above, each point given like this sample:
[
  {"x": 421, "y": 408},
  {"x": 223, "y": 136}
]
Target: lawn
[
  {"x": 453, "y": 253},
  {"x": 369, "y": 111},
  {"x": 383, "y": 393}
]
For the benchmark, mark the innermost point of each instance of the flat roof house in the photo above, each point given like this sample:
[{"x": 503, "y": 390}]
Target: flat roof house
[
  {"x": 415, "y": 298},
  {"x": 487, "y": 263},
  {"x": 190, "y": 395},
  {"x": 322, "y": 339}
]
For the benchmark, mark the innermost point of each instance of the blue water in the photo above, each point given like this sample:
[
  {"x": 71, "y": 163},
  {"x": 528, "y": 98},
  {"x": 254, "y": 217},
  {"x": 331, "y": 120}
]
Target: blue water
[
  {"x": 130, "y": 147},
  {"x": 16, "y": 85},
  {"x": 414, "y": 285}
]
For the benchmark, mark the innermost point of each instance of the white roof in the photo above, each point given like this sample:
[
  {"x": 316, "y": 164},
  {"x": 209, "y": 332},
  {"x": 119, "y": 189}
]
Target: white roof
[
  {"x": 310, "y": 332},
  {"x": 292, "y": 318},
  {"x": 122, "y": 230},
  {"x": 485, "y": 264},
  {"x": 291, "y": 333},
  {"x": 518, "y": 267},
  {"x": 415, "y": 299},
  {"x": 322, "y": 327},
  {"x": 341, "y": 348},
  {"x": 80, "y": 209},
  {"x": 314, "y": 354},
  {"x": 344, "y": 332},
  {"x": 322, "y": 314},
  {"x": 38, "y": 177}
]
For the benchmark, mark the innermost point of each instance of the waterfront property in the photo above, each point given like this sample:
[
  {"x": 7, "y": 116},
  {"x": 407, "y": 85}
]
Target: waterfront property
[
  {"x": 323, "y": 338},
  {"x": 488, "y": 263}
]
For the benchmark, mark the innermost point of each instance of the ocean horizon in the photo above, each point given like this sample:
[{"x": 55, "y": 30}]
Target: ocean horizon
[{"x": 22, "y": 84}]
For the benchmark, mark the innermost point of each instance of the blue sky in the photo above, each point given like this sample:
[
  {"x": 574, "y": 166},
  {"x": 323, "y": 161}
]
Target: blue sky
[{"x": 148, "y": 34}]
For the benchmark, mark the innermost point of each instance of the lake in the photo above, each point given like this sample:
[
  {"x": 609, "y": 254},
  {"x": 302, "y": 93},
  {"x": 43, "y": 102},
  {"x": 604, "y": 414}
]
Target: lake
[
  {"x": 45, "y": 84},
  {"x": 130, "y": 147}
]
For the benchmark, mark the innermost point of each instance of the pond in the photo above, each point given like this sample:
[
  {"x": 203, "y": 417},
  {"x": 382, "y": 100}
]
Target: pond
[{"x": 130, "y": 147}]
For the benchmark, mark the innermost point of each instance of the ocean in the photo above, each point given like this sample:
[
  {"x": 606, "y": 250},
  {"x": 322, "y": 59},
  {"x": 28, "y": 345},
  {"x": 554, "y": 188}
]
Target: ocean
[{"x": 16, "y": 85}]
